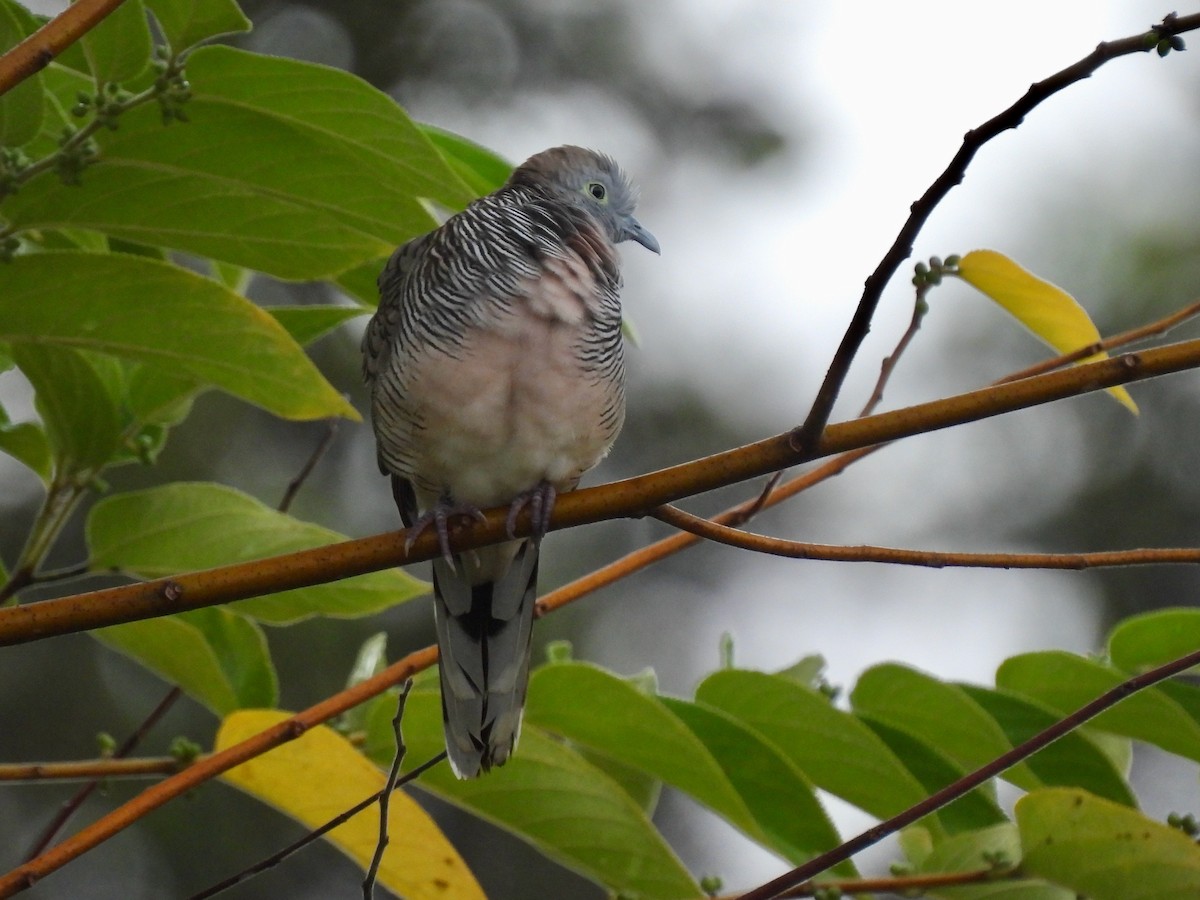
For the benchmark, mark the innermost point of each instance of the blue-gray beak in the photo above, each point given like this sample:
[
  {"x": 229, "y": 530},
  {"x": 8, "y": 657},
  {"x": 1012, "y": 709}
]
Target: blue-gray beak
[{"x": 635, "y": 232}]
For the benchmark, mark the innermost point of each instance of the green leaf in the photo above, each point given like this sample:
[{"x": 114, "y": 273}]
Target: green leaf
[
  {"x": 307, "y": 323},
  {"x": 1142, "y": 642},
  {"x": 162, "y": 314},
  {"x": 1047, "y": 310},
  {"x": 833, "y": 748},
  {"x": 159, "y": 397},
  {"x": 76, "y": 395},
  {"x": 185, "y": 527},
  {"x": 940, "y": 715},
  {"x": 327, "y": 173},
  {"x": 118, "y": 49},
  {"x": 975, "y": 850},
  {"x": 361, "y": 282},
  {"x": 1074, "y": 760},
  {"x": 479, "y": 167},
  {"x": 552, "y": 798},
  {"x": 186, "y": 23},
  {"x": 27, "y": 443},
  {"x": 217, "y": 656},
  {"x": 1103, "y": 850},
  {"x": 675, "y": 742},
  {"x": 780, "y": 797},
  {"x": 634, "y": 728},
  {"x": 22, "y": 108},
  {"x": 1065, "y": 682}
]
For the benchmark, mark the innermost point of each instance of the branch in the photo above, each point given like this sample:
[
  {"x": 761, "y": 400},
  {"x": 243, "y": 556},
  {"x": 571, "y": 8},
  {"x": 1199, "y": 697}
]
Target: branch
[
  {"x": 385, "y": 796},
  {"x": 723, "y": 534},
  {"x": 904, "y": 885},
  {"x": 902, "y": 247},
  {"x": 39, "y": 49},
  {"x": 90, "y": 769},
  {"x": 632, "y": 497}
]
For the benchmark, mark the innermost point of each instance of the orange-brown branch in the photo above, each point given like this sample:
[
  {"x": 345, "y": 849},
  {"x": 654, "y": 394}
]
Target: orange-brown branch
[
  {"x": 934, "y": 559},
  {"x": 37, "y": 51},
  {"x": 632, "y": 497}
]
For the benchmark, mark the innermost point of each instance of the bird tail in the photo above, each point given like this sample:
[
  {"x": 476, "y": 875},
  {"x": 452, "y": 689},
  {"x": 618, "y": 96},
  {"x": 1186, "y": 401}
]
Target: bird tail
[{"x": 484, "y": 636}]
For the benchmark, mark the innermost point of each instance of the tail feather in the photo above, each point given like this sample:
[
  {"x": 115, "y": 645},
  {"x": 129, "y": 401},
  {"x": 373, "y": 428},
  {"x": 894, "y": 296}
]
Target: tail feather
[{"x": 484, "y": 635}]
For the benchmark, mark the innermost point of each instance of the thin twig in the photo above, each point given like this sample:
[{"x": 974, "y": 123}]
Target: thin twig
[
  {"x": 969, "y": 782},
  {"x": 385, "y": 796},
  {"x": 934, "y": 559},
  {"x": 71, "y": 806},
  {"x": 293, "y": 488},
  {"x": 904, "y": 885},
  {"x": 91, "y": 769},
  {"x": 888, "y": 366},
  {"x": 1124, "y": 339},
  {"x": 276, "y": 858},
  {"x": 37, "y": 51},
  {"x": 805, "y": 438}
]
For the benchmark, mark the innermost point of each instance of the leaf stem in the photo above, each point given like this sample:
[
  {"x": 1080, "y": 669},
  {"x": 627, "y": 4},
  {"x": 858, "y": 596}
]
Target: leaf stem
[{"x": 60, "y": 501}]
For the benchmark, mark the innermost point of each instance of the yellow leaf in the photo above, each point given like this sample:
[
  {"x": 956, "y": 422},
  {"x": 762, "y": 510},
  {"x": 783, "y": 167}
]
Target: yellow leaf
[
  {"x": 319, "y": 775},
  {"x": 1045, "y": 309}
]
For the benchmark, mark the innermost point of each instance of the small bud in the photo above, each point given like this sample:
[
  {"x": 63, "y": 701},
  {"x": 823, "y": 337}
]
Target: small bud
[
  {"x": 1177, "y": 43},
  {"x": 1164, "y": 47},
  {"x": 935, "y": 262},
  {"x": 106, "y": 744},
  {"x": 921, "y": 269},
  {"x": 1150, "y": 39},
  {"x": 185, "y": 751},
  {"x": 953, "y": 260},
  {"x": 711, "y": 885}
]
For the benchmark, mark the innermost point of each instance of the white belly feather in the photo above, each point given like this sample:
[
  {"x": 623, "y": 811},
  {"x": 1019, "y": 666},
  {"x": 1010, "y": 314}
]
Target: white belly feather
[{"x": 511, "y": 409}]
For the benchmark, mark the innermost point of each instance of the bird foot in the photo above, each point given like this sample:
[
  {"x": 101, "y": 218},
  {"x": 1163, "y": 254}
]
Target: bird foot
[
  {"x": 540, "y": 500},
  {"x": 439, "y": 517}
]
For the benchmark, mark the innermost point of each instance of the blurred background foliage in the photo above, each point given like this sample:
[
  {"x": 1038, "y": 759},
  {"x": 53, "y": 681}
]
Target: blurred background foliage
[{"x": 728, "y": 116}]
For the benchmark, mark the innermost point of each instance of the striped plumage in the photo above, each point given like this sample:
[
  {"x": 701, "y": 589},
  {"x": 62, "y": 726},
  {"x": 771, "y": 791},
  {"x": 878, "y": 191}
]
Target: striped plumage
[{"x": 497, "y": 376}]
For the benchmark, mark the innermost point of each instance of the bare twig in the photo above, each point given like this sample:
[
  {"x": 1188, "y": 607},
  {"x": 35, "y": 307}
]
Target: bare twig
[
  {"x": 37, "y": 51},
  {"x": 969, "y": 782},
  {"x": 807, "y": 435},
  {"x": 904, "y": 885},
  {"x": 934, "y": 559},
  {"x": 1124, "y": 339},
  {"x": 70, "y": 807},
  {"x": 385, "y": 796},
  {"x": 91, "y": 769},
  {"x": 293, "y": 488},
  {"x": 277, "y": 858}
]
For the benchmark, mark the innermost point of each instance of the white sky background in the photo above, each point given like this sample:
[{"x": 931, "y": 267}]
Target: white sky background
[{"x": 760, "y": 273}]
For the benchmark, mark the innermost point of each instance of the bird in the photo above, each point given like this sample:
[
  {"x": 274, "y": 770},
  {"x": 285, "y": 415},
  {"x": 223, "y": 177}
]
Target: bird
[{"x": 495, "y": 363}]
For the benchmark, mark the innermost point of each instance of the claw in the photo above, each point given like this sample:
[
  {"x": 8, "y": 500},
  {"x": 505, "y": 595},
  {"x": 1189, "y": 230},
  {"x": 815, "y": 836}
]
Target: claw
[
  {"x": 439, "y": 517},
  {"x": 540, "y": 500}
]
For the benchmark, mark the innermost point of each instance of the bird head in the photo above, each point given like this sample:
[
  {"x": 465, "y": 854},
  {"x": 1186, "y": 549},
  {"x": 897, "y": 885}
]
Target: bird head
[{"x": 593, "y": 182}]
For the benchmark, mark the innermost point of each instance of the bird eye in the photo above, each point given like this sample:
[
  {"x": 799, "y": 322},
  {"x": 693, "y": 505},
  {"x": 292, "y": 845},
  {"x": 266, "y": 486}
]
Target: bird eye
[{"x": 596, "y": 189}]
